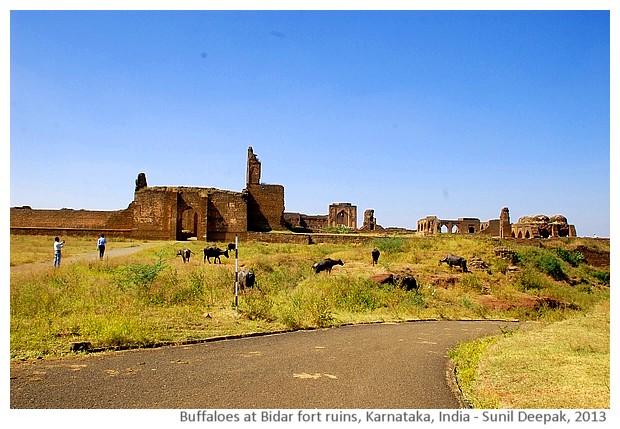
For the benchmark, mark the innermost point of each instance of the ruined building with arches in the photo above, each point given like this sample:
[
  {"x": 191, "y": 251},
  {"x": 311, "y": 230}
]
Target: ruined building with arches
[{"x": 539, "y": 226}]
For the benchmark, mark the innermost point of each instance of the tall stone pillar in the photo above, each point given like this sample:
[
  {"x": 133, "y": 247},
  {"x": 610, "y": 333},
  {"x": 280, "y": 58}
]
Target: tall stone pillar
[
  {"x": 505, "y": 229},
  {"x": 253, "y": 174}
]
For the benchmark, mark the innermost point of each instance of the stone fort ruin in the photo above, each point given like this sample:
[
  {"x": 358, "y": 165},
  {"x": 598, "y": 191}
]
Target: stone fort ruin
[
  {"x": 211, "y": 214},
  {"x": 539, "y": 226},
  {"x": 182, "y": 213}
]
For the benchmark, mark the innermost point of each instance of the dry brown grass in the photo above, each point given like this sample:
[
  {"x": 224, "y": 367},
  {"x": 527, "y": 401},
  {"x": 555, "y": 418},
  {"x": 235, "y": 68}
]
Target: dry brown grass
[{"x": 561, "y": 365}]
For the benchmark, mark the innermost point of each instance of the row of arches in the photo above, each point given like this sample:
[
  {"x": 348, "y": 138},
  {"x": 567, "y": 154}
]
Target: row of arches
[{"x": 435, "y": 225}]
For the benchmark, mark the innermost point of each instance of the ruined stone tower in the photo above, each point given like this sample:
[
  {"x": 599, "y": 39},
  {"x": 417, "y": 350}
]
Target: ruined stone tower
[
  {"x": 505, "y": 229},
  {"x": 253, "y": 173},
  {"x": 265, "y": 202}
]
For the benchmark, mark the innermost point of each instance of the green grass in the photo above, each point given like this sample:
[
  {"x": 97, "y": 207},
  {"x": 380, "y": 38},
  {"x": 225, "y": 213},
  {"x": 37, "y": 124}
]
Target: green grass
[
  {"x": 560, "y": 365},
  {"x": 152, "y": 297},
  {"x": 26, "y": 249}
]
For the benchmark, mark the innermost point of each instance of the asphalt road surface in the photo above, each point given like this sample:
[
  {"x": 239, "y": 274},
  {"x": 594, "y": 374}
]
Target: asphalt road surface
[{"x": 378, "y": 366}]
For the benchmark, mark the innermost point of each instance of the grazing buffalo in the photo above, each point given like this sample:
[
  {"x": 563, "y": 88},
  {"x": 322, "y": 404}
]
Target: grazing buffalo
[
  {"x": 326, "y": 265},
  {"x": 185, "y": 254},
  {"x": 404, "y": 281},
  {"x": 215, "y": 253},
  {"x": 231, "y": 246},
  {"x": 408, "y": 283},
  {"x": 246, "y": 279},
  {"x": 453, "y": 260},
  {"x": 375, "y": 256}
]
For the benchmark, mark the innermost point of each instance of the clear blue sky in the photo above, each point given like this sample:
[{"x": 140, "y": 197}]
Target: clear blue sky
[{"x": 410, "y": 113}]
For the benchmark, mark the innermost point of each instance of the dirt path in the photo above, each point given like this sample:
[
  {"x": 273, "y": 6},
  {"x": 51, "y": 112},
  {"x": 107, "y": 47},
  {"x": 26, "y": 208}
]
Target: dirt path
[{"x": 94, "y": 256}]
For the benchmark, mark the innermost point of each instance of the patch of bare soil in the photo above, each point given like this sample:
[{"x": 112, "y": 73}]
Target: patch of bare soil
[{"x": 594, "y": 257}]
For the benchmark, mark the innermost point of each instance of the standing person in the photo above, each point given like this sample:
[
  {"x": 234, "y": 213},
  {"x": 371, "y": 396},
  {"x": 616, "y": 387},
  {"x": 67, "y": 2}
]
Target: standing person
[
  {"x": 57, "y": 246},
  {"x": 101, "y": 245}
]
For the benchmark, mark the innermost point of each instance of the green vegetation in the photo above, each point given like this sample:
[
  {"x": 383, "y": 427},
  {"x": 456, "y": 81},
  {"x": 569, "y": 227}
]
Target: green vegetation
[
  {"x": 152, "y": 297},
  {"x": 559, "y": 365}
]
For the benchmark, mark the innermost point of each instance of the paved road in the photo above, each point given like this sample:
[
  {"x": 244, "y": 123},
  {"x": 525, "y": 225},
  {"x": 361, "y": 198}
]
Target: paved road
[{"x": 375, "y": 366}]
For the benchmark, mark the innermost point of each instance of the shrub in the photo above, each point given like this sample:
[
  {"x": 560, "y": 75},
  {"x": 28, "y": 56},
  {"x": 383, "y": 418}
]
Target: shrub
[
  {"x": 548, "y": 264},
  {"x": 472, "y": 282},
  {"x": 143, "y": 275},
  {"x": 574, "y": 258}
]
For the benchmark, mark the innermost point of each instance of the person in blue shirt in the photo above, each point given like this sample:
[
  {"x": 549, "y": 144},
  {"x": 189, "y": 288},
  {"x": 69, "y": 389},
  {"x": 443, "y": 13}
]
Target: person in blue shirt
[
  {"x": 101, "y": 245},
  {"x": 57, "y": 246}
]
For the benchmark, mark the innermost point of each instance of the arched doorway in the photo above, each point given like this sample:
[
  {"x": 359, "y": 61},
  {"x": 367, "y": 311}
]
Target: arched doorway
[
  {"x": 342, "y": 218},
  {"x": 188, "y": 225}
]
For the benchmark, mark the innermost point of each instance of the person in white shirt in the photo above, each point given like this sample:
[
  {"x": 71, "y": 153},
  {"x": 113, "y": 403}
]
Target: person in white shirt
[{"x": 57, "y": 246}]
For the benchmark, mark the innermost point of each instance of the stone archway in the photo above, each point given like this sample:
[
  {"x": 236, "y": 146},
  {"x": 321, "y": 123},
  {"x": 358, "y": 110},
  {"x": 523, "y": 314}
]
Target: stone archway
[
  {"x": 189, "y": 224},
  {"x": 342, "y": 218}
]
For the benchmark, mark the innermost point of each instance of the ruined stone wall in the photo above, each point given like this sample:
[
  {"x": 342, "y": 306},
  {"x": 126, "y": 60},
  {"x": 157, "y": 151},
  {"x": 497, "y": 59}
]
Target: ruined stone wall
[
  {"x": 179, "y": 213},
  {"x": 504, "y": 220},
  {"x": 306, "y": 222},
  {"x": 370, "y": 222},
  {"x": 492, "y": 228},
  {"x": 226, "y": 216},
  {"x": 265, "y": 207},
  {"x": 155, "y": 214},
  {"x": 69, "y": 221},
  {"x": 433, "y": 225}
]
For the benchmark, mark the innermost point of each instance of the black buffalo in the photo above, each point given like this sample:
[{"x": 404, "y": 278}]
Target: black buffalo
[
  {"x": 185, "y": 254},
  {"x": 246, "y": 279},
  {"x": 215, "y": 253},
  {"x": 326, "y": 265},
  {"x": 408, "y": 283},
  {"x": 375, "y": 255},
  {"x": 453, "y": 260}
]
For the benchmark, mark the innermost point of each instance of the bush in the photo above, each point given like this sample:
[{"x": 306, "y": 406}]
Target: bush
[
  {"x": 574, "y": 258},
  {"x": 143, "y": 275},
  {"x": 549, "y": 265},
  {"x": 305, "y": 308}
]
